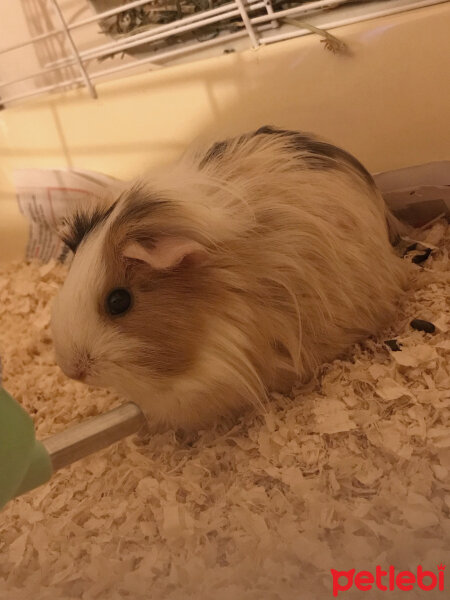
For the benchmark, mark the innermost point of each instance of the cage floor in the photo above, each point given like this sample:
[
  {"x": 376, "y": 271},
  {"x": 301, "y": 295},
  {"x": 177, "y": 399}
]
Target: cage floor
[{"x": 349, "y": 473}]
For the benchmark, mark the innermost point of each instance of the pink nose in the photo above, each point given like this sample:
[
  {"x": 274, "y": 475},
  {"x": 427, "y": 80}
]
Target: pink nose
[
  {"x": 77, "y": 373},
  {"x": 77, "y": 365}
]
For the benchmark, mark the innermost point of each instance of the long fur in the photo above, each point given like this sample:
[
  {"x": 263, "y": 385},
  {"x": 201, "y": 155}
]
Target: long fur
[{"x": 299, "y": 267}]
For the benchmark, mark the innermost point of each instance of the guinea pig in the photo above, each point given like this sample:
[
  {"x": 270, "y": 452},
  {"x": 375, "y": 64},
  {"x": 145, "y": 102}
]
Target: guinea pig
[{"x": 236, "y": 271}]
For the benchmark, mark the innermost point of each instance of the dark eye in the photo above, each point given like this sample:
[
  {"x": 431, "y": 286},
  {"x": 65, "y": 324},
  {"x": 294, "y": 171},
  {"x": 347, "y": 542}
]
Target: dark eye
[{"x": 118, "y": 301}]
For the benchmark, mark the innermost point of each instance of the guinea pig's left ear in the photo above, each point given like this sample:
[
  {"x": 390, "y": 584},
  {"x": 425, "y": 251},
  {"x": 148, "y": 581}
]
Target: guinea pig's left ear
[{"x": 166, "y": 252}]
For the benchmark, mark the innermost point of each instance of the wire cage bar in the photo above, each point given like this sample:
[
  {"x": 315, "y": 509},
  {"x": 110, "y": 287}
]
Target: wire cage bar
[{"x": 204, "y": 25}]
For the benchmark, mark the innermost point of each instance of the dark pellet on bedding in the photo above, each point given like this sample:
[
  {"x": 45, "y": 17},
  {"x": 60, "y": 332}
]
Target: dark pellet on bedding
[
  {"x": 393, "y": 345},
  {"x": 421, "y": 325},
  {"x": 420, "y": 258}
]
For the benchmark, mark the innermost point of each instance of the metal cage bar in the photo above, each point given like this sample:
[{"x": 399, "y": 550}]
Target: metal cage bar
[
  {"x": 207, "y": 17},
  {"x": 248, "y": 25},
  {"x": 76, "y": 54},
  {"x": 254, "y": 26}
]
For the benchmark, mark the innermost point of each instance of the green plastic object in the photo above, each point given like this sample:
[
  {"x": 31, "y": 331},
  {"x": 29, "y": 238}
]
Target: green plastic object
[{"x": 24, "y": 462}]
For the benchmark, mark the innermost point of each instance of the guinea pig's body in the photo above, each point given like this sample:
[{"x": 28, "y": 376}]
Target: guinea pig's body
[{"x": 234, "y": 272}]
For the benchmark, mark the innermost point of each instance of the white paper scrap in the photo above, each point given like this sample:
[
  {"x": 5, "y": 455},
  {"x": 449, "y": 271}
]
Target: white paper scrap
[
  {"x": 44, "y": 196},
  {"x": 417, "y": 194}
]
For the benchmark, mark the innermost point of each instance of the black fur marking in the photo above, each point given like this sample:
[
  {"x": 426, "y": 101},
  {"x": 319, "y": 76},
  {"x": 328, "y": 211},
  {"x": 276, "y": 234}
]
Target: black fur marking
[
  {"x": 80, "y": 224},
  {"x": 316, "y": 154},
  {"x": 138, "y": 206},
  {"x": 321, "y": 154},
  {"x": 215, "y": 152}
]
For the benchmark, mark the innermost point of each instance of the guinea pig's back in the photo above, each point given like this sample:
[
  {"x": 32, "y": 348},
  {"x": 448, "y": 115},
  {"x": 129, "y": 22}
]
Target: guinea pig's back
[{"x": 318, "y": 252}]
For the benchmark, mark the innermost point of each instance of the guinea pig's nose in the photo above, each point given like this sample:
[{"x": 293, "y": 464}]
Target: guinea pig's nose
[
  {"x": 78, "y": 368},
  {"x": 79, "y": 375},
  {"x": 74, "y": 372}
]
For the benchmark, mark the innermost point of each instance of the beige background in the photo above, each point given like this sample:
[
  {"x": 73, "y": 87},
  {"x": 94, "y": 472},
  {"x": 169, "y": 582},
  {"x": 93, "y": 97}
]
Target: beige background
[{"x": 388, "y": 103}]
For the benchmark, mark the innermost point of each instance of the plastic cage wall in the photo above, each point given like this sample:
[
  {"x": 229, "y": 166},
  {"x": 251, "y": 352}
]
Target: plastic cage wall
[{"x": 52, "y": 45}]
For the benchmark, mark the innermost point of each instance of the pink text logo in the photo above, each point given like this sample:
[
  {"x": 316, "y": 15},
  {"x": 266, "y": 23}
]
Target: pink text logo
[{"x": 388, "y": 580}]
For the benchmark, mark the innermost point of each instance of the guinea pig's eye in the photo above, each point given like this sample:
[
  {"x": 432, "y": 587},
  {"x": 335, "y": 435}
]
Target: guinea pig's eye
[{"x": 118, "y": 302}]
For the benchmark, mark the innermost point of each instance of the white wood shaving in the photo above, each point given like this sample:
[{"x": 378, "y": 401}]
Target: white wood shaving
[{"x": 350, "y": 472}]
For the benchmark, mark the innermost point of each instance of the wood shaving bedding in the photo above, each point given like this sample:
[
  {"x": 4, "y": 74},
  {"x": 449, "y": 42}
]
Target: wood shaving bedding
[{"x": 349, "y": 472}]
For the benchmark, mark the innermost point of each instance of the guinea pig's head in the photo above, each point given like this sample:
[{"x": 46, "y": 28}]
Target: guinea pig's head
[{"x": 131, "y": 312}]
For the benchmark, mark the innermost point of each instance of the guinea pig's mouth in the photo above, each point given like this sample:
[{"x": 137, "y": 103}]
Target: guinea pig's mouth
[
  {"x": 85, "y": 376},
  {"x": 77, "y": 373}
]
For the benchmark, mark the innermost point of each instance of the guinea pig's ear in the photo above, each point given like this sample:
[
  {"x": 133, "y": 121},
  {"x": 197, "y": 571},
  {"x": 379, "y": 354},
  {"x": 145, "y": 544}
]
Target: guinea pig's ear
[{"x": 166, "y": 252}]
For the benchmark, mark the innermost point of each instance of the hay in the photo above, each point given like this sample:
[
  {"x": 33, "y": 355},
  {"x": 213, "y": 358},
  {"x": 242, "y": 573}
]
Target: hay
[{"x": 351, "y": 472}]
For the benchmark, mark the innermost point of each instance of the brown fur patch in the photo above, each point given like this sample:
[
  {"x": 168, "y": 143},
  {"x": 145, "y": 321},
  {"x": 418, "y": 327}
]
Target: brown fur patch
[{"x": 168, "y": 312}]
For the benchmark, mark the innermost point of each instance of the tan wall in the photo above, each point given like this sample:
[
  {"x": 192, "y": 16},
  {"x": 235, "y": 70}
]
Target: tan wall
[{"x": 388, "y": 103}]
